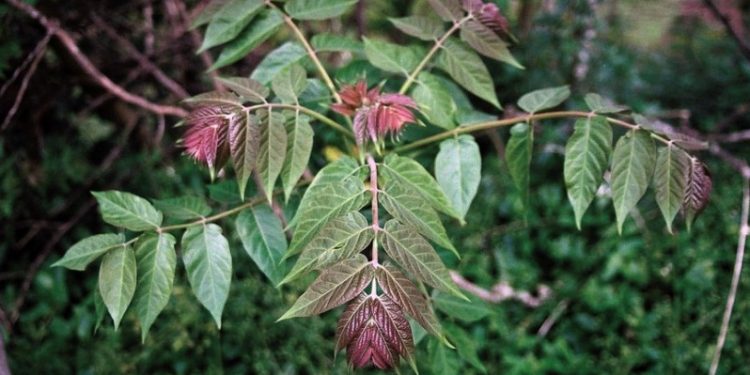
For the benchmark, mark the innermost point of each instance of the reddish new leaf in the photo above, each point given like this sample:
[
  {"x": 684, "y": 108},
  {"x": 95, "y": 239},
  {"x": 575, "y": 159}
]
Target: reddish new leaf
[
  {"x": 403, "y": 292},
  {"x": 244, "y": 144},
  {"x": 697, "y": 191},
  {"x": 206, "y": 136}
]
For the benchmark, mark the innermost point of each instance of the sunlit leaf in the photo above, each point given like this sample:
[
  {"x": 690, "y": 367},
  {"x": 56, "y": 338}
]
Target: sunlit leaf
[
  {"x": 458, "y": 168},
  {"x": 156, "y": 259},
  {"x": 670, "y": 181},
  {"x": 126, "y": 210},
  {"x": 263, "y": 238},
  {"x": 205, "y": 253},
  {"x": 117, "y": 281},
  {"x": 85, "y": 251},
  {"x": 336, "y": 285},
  {"x": 633, "y": 164},
  {"x": 586, "y": 158}
]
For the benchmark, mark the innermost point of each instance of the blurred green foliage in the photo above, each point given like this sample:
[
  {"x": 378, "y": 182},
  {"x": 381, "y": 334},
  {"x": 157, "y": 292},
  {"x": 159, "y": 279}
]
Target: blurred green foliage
[{"x": 643, "y": 302}]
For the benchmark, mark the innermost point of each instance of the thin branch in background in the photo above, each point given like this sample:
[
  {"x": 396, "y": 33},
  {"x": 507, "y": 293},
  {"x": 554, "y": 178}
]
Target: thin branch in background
[
  {"x": 195, "y": 38},
  {"x": 4, "y": 369},
  {"x": 148, "y": 28},
  {"x": 739, "y": 258},
  {"x": 29, "y": 58},
  {"x": 502, "y": 291},
  {"x": 142, "y": 60},
  {"x": 743, "y": 44},
  {"x": 740, "y": 136},
  {"x": 360, "y": 17},
  {"x": 85, "y": 63},
  {"x": 25, "y": 82},
  {"x": 553, "y": 317}
]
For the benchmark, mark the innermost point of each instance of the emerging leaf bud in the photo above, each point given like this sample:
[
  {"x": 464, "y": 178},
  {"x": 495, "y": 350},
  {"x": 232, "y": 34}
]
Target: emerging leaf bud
[
  {"x": 488, "y": 14},
  {"x": 205, "y": 138}
]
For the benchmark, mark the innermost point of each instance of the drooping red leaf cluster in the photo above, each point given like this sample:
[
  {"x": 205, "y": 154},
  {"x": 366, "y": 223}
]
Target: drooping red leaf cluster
[
  {"x": 698, "y": 189},
  {"x": 488, "y": 14},
  {"x": 205, "y": 138},
  {"x": 374, "y": 331},
  {"x": 375, "y": 115}
]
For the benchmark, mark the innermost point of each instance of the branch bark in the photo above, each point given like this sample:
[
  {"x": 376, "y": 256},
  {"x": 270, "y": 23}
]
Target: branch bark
[
  {"x": 502, "y": 291},
  {"x": 742, "y": 44},
  {"x": 4, "y": 369},
  {"x": 69, "y": 43}
]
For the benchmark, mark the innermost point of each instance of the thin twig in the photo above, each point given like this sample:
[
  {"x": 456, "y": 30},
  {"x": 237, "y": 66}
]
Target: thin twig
[
  {"x": 69, "y": 43},
  {"x": 4, "y": 369},
  {"x": 744, "y": 231},
  {"x": 553, "y": 317},
  {"x": 25, "y": 82},
  {"x": 149, "y": 66},
  {"x": 29, "y": 58},
  {"x": 743, "y": 45},
  {"x": 502, "y": 291},
  {"x": 195, "y": 38}
]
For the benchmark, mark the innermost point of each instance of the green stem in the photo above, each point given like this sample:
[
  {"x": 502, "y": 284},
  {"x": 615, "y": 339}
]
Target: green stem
[
  {"x": 438, "y": 44},
  {"x": 310, "y": 51},
  {"x": 512, "y": 121},
  {"x": 318, "y": 116}
]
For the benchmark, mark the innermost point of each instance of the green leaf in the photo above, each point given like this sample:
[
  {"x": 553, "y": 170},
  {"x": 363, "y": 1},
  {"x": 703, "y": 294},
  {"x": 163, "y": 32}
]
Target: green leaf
[
  {"x": 540, "y": 100},
  {"x": 458, "y": 168},
  {"x": 264, "y": 240},
  {"x": 299, "y": 147},
  {"x": 246, "y": 88},
  {"x": 435, "y": 101},
  {"x": 466, "y": 310},
  {"x": 244, "y": 146},
  {"x": 290, "y": 83},
  {"x": 411, "y": 209},
  {"x": 340, "y": 239},
  {"x": 598, "y": 104},
  {"x": 421, "y": 27},
  {"x": 226, "y": 192},
  {"x": 327, "y": 42},
  {"x": 443, "y": 360},
  {"x": 323, "y": 203},
  {"x": 126, "y": 210},
  {"x": 207, "y": 13},
  {"x": 336, "y": 285},
  {"x": 397, "y": 286},
  {"x": 343, "y": 168},
  {"x": 99, "y": 310},
  {"x": 117, "y": 280},
  {"x": 317, "y": 9},
  {"x": 448, "y": 10},
  {"x": 412, "y": 252},
  {"x": 466, "y": 346},
  {"x": 220, "y": 98},
  {"x": 391, "y": 57},
  {"x": 272, "y": 153},
  {"x": 413, "y": 176},
  {"x": 156, "y": 261},
  {"x": 208, "y": 263},
  {"x": 632, "y": 168},
  {"x": 586, "y": 158},
  {"x": 229, "y": 21},
  {"x": 251, "y": 37},
  {"x": 485, "y": 41},
  {"x": 183, "y": 208},
  {"x": 468, "y": 70},
  {"x": 518, "y": 155},
  {"x": 670, "y": 181},
  {"x": 289, "y": 53},
  {"x": 89, "y": 249}
]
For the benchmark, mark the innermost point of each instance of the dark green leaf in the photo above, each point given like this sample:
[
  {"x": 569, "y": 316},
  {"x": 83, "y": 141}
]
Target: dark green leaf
[
  {"x": 435, "y": 101},
  {"x": 229, "y": 21},
  {"x": 326, "y": 42},
  {"x": 443, "y": 360},
  {"x": 251, "y": 37},
  {"x": 421, "y": 27},
  {"x": 126, "y": 210},
  {"x": 264, "y": 240},
  {"x": 207, "y": 13},
  {"x": 156, "y": 261},
  {"x": 632, "y": 168},
  {"x": 468, "y": 70},
  {"x": 586, "y": 158},
  {"x": 317, "y": 9},
  {"x": 208, "y": 262},
  {"x": 540, "y": 100},
  {"x": 466, "y": 346},
  {"x": 89, "y": 249},
  {"x": 183, "y": 208},
  {"x": 458, "y": 168},
  {"x": 391, "y": 57},
  {"x": 289, "y": 53},
  {"x": 518, "y": 156},
  {"x": 117, "y": 280},
  {"x": 465, "y": 310}
]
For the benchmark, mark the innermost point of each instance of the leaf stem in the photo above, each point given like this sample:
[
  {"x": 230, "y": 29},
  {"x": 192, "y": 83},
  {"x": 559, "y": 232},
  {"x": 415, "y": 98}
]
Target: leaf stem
[
  {"x": 318, "y": 116},
  {"x": 512, "y": 121},
  {"x": 438, "y": 44},
  {"x": 310, "y": 51},
  {"x": 375, "y": 219}
]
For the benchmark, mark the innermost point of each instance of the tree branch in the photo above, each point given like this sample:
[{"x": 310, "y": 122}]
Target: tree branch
[
  {"x": 4, "y": 369},
  {"x": 743, "y": 45},
  {"x": 744, "y": 231},
  {"x": 502, "y": 291},
  {"x": 69, "y": 43}
]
